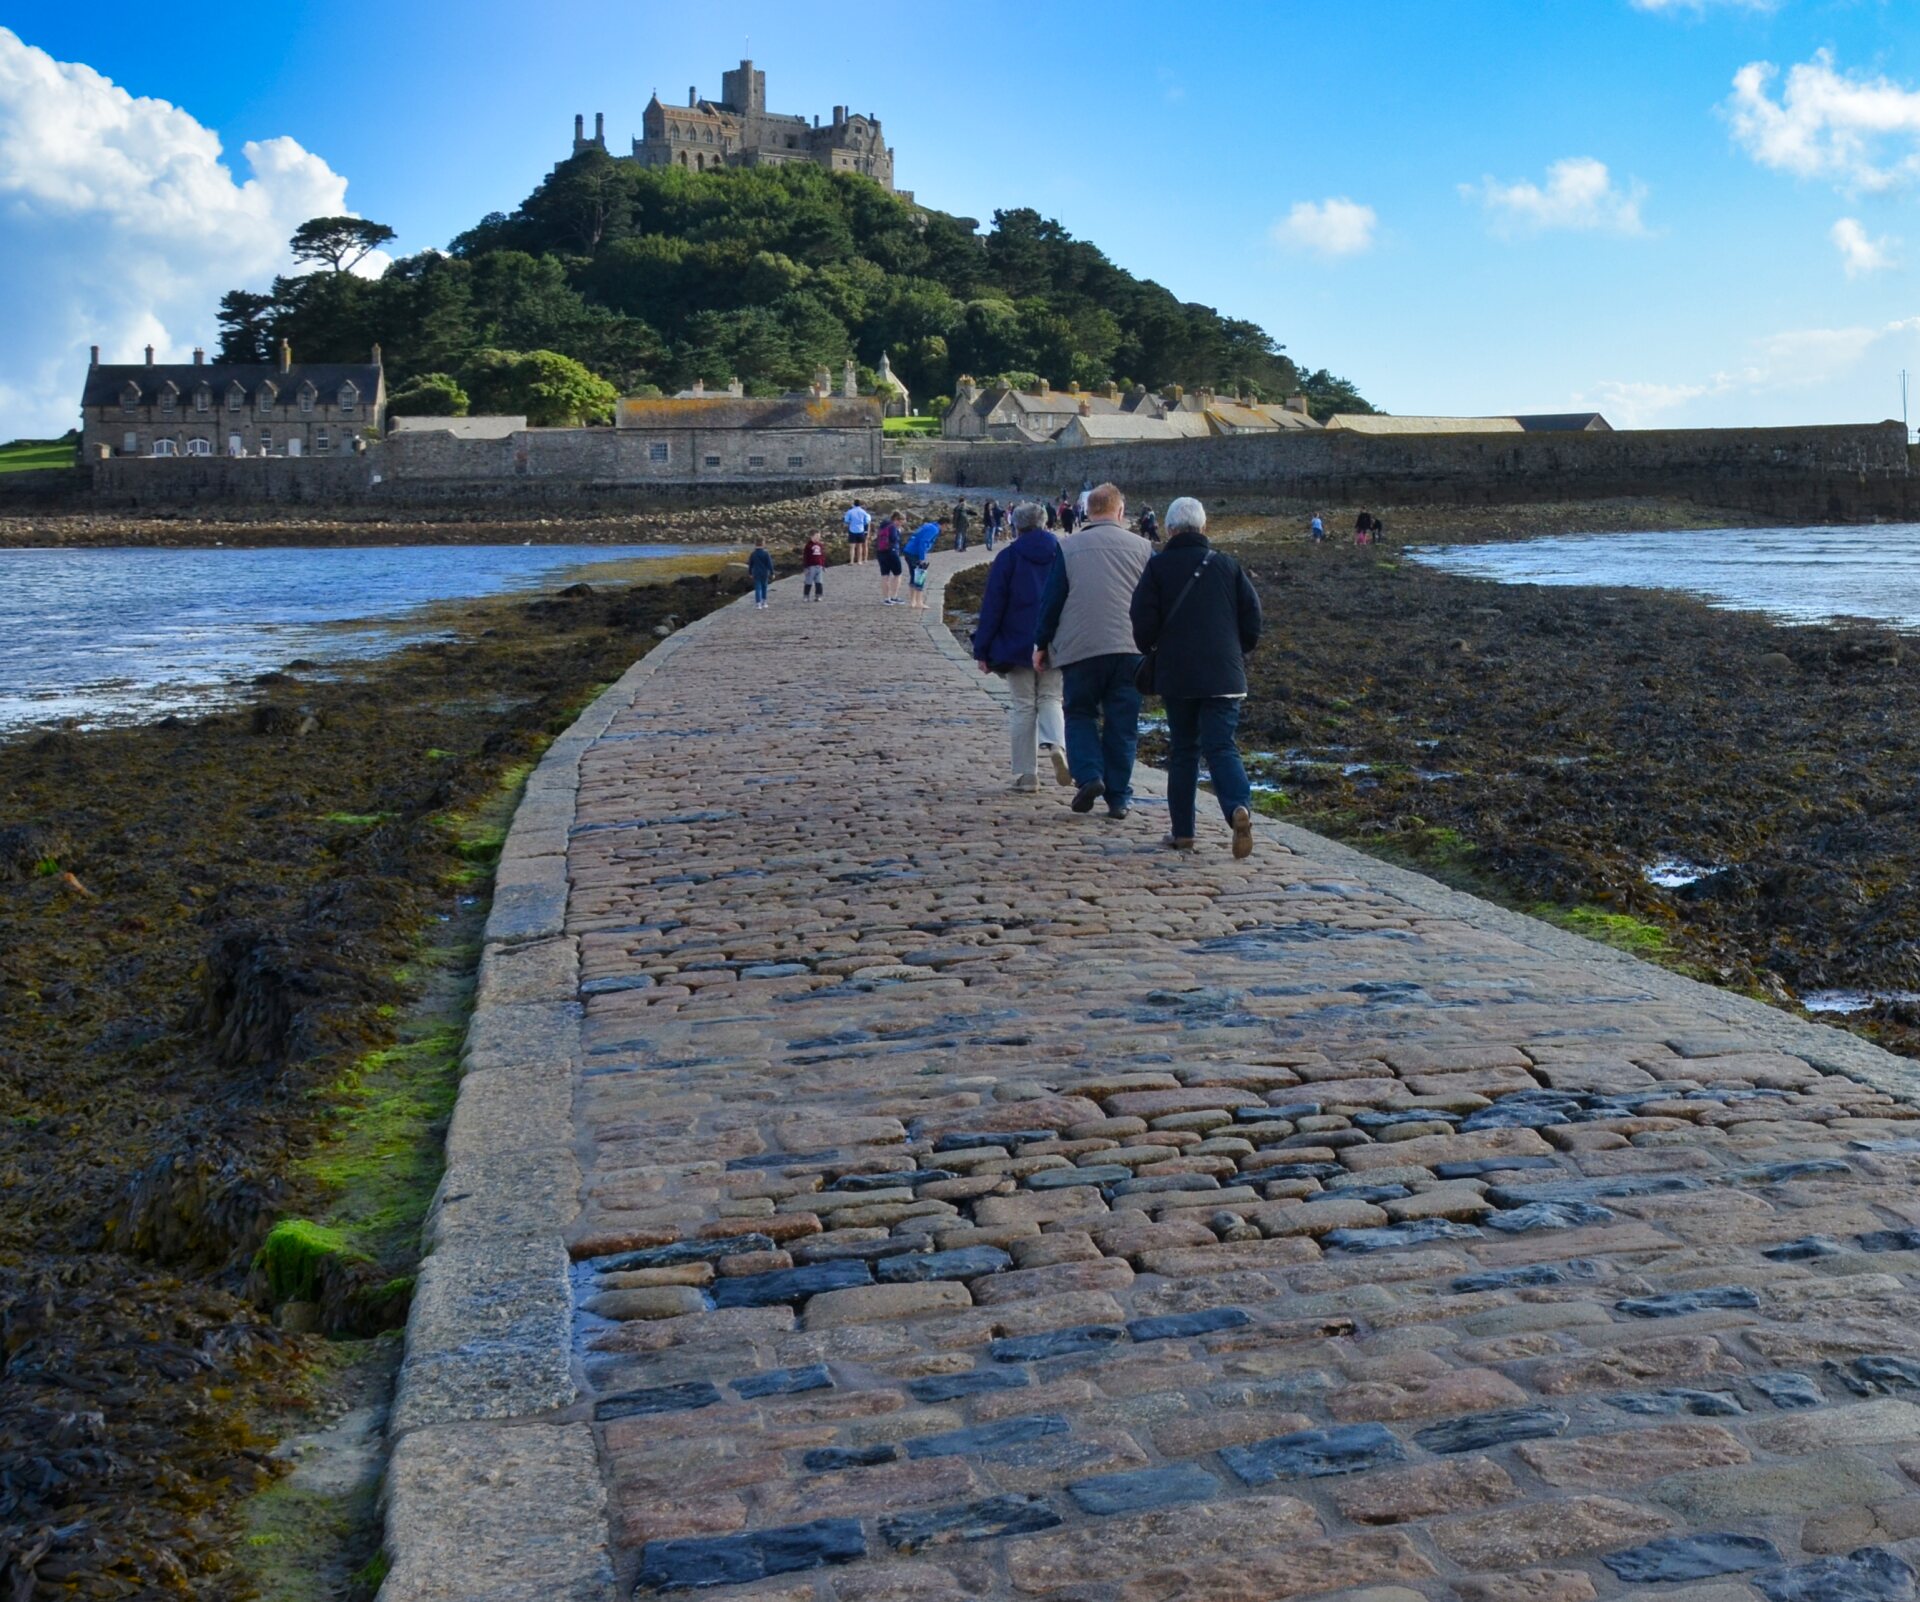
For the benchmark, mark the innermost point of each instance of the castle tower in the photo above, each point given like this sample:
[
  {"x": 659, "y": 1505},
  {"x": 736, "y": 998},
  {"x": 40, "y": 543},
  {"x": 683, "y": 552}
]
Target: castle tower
[{"x": 745, "y": 90}]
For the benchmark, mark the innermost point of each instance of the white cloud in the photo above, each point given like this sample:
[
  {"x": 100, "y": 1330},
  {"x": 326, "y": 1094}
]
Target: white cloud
[
  {"x": 121, "y": 226},
  {"x": 1669, "y": 7},
  {"x": 1796, "y": 359},
  {"x": 1333, "y": 227},
  {"x": 1856, "y": 132},
  {"x": 1579, "y": 194},
  {"x": 1859, "y": 251}
]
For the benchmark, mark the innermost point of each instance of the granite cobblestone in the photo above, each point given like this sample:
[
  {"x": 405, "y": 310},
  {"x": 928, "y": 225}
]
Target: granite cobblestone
[{"x": 1053, "y": 1217}]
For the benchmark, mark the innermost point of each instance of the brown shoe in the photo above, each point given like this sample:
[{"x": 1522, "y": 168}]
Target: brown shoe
[
  {"x": 1242, "y": 832},
  {"x": 1177, "y": 842}
]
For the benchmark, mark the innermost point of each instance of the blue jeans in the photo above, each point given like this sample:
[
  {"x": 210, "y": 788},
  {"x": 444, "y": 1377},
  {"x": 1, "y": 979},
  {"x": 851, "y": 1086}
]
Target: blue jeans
[
  {"x": 759, "y": 589},
  {"x": 1103, "y": 722},
  {"x": 1198, "y": 726}
]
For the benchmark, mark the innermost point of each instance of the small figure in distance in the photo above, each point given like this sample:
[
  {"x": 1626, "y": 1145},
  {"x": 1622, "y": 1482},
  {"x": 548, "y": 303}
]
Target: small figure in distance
[
  {"x": 962, "y": 521},
  {"x": 857, "y": 520},
  {"x": 1317, "y": 530},
  {"x": 1195, "y": 609},
  {"x": 1053, "y": 516},
  {"x": 1363, "y": 528},
  {"x": 760, "y": 570},
  {"x": 813, "y": 563},
  {"x": 1149, "y": 527},
  {"x": 920, "y": 544},
  {"x": 887, "y": 540}
]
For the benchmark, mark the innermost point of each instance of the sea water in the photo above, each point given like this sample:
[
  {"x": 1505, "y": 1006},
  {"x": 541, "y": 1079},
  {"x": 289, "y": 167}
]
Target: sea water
[
  {"x": 1801, "y": 575},
  {"x": 98, "y": 636}
]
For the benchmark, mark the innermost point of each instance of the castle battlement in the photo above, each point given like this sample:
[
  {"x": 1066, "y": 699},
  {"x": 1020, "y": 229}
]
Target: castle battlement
[{"x": 737, "y": 130}]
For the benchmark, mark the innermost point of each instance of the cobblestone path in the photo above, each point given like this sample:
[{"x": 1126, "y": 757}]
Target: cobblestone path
[{"x": 979, "y": 1202}]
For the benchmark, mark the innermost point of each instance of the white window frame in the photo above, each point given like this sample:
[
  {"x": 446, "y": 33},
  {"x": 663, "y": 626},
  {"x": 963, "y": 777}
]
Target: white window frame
[
  {"x": 306, "y": 400},
  {"x": 166, "y": 447},
  {"x": 236, "y": 398},
  {"x": 266, "y": 442},
  {"x": 322, "y": 442},
  {"x": 199, "y": 447},
  {"x": 348, "y": 398},
  {"x": 202, "y": 399},
  {"x": 130, "y": 444}
]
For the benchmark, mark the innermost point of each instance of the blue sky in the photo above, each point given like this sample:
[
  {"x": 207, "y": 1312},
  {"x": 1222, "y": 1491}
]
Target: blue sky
[{"x": 1680, "y": 211}]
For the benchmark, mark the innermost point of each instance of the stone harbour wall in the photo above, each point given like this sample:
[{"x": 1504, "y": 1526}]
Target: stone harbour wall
[{"x": 1852, "y": 471}]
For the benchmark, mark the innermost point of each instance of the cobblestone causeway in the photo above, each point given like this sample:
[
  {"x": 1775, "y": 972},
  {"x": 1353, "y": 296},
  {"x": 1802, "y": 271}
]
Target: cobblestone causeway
[{"x": 978, "y": 1202}]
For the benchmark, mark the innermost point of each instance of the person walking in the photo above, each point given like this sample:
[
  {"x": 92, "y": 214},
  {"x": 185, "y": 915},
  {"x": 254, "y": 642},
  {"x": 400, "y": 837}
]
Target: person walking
[
  {"x": 1085, "y": 631},
  {"x": 962, "y": 521},
  {"x": 1149, "y": 527},
  {"x": 813, "y": 565},
  {"x": 1317, "y": 530},
  {"x": 760, "y": 570},
  {"x": 919, "y": 553},
  {"x": 1196, "y": 611},
  {"x": 1053, "y": 517},
  {"x": 857, "y": 520},
  {"x": 1003, "y": 644}
]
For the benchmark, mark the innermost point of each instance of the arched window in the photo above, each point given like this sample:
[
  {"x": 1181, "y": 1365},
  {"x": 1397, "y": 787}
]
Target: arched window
[
  {"x": 236, "y": 397},
  {"x": 683, "y": 159}
]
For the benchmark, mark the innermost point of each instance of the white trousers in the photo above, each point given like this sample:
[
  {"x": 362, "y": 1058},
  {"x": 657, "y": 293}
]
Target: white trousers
[{"x": 1034, "y": 717}]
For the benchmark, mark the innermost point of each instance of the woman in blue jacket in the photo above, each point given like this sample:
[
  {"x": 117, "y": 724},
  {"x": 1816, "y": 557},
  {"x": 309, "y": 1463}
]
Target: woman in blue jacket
[{"x": 1003, "y": 644}]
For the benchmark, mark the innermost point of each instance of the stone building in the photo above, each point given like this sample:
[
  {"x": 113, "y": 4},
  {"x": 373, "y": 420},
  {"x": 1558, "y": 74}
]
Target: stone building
[
  {"x": 230, "y": 409},
  {"x": 703, "y": 438},
  {"x": 737, "y": 130}
]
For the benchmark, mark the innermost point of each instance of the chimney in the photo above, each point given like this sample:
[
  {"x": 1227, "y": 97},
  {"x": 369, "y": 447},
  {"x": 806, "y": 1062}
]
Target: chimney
[
  {"x": 378, "y": 359},
  {"x": 199, "y": 357},
  {"x": 95, "y": 362},
  {"x": 286, "y": 356},
  {"x": 1043, "y": 388},
  {"x": 579, "y": 129},
  {"x": 1298, "y": 403},
  {"x": 699, "y": 388},
  {"x": 735, "y": 388},
  {"x": 1086, "y": 407},
  {"x": 600, "y": 129},
  {"x": 149, "y": 355},
  {"x": 1074, "y": 387},
  {"x": 839, "y": 115},
  {"x": 693, "y": 95}
]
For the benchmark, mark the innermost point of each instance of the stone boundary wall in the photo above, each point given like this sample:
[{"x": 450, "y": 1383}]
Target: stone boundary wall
[
  {"x": 493, "y": 1489},
  {"x": 1849, "y": 471},
  {"x": 539, "y": 466}
]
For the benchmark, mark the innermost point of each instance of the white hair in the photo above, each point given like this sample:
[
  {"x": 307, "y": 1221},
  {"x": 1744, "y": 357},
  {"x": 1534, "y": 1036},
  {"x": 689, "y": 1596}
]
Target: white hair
[
  {"x": 1026, "y": 515},
  {"x": 1186, "y": 514}
]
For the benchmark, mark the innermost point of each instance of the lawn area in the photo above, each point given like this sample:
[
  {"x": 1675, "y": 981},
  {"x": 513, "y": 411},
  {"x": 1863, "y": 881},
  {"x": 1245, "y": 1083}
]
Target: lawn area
[
  {"x": 28, "y": 455},
  {"x": 911, "y": 425}
]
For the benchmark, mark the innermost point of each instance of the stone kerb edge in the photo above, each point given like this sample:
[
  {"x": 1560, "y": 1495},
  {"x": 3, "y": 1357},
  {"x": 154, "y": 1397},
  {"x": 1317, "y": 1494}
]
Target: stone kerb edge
[
  {"x": 1831, "y": 1050},
  {"x": 493, "y": 1491}
]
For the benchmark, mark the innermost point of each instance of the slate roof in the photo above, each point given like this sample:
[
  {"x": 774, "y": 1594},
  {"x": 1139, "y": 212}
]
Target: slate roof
[
  {"x": 1128, "y": 426},
  {"x": 1563, "y": 422},
  {"x": 1361, "y": 423},
  {"x": 105, "y": 383}
]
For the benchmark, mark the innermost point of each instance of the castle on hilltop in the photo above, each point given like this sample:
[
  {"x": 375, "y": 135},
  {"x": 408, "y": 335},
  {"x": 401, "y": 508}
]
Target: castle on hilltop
[{"x": 737, "y": 130}]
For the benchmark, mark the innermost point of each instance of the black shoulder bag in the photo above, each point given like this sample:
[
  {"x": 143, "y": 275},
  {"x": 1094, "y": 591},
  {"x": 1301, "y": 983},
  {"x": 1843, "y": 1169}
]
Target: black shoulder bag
[{"x": 1143, "y": 675}]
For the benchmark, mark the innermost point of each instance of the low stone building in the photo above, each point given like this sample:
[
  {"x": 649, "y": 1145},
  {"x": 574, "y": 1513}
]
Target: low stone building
[
  {"x": 202, "y": 408},
  {"x": 743, "y": 439}
]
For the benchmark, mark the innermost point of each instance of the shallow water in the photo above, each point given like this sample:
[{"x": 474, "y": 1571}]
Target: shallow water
[
  {"x": 106, "y": 636},
  {"x": 1805, "y": 575}
]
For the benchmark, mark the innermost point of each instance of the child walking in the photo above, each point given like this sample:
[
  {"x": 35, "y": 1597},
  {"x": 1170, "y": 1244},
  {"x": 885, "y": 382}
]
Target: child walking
[
  {"x": 760, "y": 570},
  {"x": 813, "y": 558}
]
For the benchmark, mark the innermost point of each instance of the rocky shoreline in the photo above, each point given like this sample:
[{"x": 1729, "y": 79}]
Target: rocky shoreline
[{"x": 218, "y": 934}]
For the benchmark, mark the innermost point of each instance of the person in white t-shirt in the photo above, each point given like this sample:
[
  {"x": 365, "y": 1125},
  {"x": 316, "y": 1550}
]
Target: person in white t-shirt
[{"x": 857, "y": 520}]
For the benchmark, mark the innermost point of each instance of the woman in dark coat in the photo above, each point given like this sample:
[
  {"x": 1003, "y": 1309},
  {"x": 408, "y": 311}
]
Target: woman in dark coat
[
  {"x": 1003, "y": 644},
  {"x": 1197, "y": 611}
]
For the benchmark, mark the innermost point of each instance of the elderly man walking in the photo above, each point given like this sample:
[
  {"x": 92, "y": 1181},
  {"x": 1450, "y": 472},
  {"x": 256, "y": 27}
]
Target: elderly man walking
[
  {"x": 1086, "y": 631},
  {"x": 1197, "y": 612}
]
